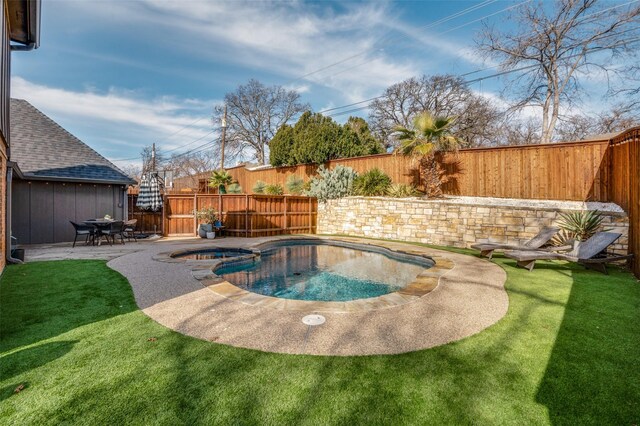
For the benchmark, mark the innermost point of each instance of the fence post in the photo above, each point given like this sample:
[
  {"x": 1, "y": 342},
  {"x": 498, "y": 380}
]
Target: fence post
[
  {"x": 246, "y": 216},
  {"x": 220, "y": 206},
  {"x": 310, "y": 222},
  {"x": 195, "y": 215},
  {"x": 284, "y": 228}
]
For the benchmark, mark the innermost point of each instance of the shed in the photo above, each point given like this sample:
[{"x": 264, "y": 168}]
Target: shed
[{"x": 58, "y": 178}]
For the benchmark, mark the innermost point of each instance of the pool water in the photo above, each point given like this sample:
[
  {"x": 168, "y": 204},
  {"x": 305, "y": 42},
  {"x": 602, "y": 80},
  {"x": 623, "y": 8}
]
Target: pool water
[
  {"x": 212, "y": 254},
  {"x": 323, "y": 273}
]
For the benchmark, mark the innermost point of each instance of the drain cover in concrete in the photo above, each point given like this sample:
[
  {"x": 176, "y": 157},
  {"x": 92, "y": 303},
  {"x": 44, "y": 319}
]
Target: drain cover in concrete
[{"x": 313, "y": 320}]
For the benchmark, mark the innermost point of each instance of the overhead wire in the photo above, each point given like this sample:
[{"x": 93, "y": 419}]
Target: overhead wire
[
  {"x": 499, "y": 74},
  {"x": 387, "y": 40}
]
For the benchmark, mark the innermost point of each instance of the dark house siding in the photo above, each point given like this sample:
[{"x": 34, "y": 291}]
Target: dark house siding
[
  {"x": 42, "y": 210},
  {"x": 5, "y": 71}
]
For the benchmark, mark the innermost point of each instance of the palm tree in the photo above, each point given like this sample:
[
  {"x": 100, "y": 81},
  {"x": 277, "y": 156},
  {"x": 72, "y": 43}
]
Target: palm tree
[
  {"x": 220, "y": 179},
  {"x": 429, "y": 135}
]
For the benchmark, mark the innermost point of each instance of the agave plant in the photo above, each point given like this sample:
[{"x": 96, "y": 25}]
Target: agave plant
[
  {"x": 294, "y": 185},
  {"x": 331, "y": 184},
  {"x": 220, "y": 179},
  {"x": 402, "y": 190},
  {"x": 274, "y": 189},
  {"x": 372, "y": 183},
  {"x": 234, "y": 188},
  {"x": 579, "y": 225},
  {"x": 258, "y": 187}
]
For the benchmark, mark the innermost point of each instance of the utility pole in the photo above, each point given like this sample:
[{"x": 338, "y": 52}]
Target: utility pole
[
  {"x": 224, "y": 135},
  {"x": 153, "y": 157}
]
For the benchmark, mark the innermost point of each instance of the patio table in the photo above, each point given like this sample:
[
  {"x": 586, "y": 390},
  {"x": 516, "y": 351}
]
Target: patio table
[{"x": 99, "y": 224}]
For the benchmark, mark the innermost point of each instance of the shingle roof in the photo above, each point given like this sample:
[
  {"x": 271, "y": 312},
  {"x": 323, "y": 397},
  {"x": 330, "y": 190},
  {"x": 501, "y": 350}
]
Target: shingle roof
[{"x": 43, "y": 149}]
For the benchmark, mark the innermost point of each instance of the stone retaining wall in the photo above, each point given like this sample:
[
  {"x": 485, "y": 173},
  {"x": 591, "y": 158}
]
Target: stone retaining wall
[{"x": 447, "y": 223}]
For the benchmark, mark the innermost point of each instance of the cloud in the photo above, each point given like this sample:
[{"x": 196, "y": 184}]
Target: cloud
[
  {"x": 119, "y": 119},
  {"x": 285, "y": 40}
]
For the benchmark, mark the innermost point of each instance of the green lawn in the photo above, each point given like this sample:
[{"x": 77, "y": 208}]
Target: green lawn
[{"x": 568, "y": 352}]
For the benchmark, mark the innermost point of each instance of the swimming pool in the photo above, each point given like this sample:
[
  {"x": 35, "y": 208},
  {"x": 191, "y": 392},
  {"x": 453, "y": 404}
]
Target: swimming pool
[
  {"x": 211, "y": 253},
  {"x": 319, "y": 271}
]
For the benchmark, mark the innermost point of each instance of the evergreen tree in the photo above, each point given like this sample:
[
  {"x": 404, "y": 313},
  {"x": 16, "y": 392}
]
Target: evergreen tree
[
  {"x": 317, "y": 139},
  {"x": 281, "y": 147}
]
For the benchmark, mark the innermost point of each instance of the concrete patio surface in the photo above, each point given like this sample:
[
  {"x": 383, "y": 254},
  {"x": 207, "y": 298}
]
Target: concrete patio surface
[{"x": 469, "y": 298}]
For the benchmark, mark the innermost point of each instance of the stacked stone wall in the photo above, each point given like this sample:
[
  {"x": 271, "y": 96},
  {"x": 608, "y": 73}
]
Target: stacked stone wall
[{"x": 444, "y": 223}]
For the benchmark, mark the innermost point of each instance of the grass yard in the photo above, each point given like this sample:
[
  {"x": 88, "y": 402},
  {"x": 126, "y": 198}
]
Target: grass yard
[{"x": 566, "y": 353}]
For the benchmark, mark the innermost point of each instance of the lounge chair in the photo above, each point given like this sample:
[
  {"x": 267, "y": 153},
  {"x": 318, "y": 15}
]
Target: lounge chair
[
  {"x": 543, "y": 237},
  {"x": 583, "y": 253}
]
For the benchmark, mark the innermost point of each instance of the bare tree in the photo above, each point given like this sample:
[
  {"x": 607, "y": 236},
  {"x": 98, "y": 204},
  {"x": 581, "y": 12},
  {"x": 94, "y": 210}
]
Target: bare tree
[
  {"x": 254, "y": 114},
  {"x": 441, "y": 96},
  {"x": 553, "y": 46},
  {"x": 132, "y": 170},
  {"x": 518, "y": 131},
  {"x": 148, "y": 160},
  {"x": 580, "y": 126}
]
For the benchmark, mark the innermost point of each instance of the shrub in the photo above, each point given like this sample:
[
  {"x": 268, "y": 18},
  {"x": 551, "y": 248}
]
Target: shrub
[
  {"x": 259, "y": 187},
  {"x": 331, "y": 184},
  {"x": 294, "y": 185},
  {"x": 275, "y": 189},
  {"x": 208, "y": 214},
  {"x": 402, "y": 190},
  {"x": 219, "y": 180},
  {"x": 372, "y": 183},
  {"x": 234, "y": 188}
]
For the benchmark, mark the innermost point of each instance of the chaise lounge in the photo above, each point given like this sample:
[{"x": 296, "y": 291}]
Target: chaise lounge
[
  {"x": 542, "y": 238},
  {"x": 585, "y": 253}
]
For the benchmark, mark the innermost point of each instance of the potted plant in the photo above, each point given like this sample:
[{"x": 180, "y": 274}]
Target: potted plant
[
  {"x": 220, "y": 179},
  {"x": 210, "y": 217}
]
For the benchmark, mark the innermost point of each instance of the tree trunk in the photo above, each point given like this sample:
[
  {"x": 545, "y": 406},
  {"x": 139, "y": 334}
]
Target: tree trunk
[{"x": 431, "y": 176}]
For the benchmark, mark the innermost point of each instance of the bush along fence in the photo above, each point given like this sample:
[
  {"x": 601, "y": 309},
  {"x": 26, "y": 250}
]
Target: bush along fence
[{"x": 242, "y": 215}]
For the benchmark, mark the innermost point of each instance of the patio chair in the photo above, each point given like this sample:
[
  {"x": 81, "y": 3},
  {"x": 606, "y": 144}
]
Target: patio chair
[
  {"x": 587, "y": 253},
  {"x": 129, "y": 229},
  {"x": 542, "y": 238},
  {"x": 218, "y": 227},
  {"x": 114, "y": 229},
  {"x": 87, "y": 231}
]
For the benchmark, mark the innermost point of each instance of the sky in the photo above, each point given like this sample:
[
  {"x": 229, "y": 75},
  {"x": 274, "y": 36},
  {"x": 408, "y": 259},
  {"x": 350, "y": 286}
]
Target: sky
[{"x": 121, "y": 75}]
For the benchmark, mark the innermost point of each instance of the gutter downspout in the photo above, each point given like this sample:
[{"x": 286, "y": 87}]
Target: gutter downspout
[{"x": 8, "y": 222}]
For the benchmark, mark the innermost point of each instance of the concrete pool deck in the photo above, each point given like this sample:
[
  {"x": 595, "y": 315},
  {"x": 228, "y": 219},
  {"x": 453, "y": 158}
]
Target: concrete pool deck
[{"x": 468, "y": 298}]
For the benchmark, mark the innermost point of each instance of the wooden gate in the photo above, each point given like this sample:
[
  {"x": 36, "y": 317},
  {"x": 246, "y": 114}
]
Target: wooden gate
[{"x": 242, "y": 215}]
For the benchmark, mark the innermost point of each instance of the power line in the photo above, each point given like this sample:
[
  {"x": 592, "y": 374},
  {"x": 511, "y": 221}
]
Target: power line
[
  {"x": 173, "y": 149},
  {"x": 383, "y": 41},
  {"x": 499, "y": 74}
]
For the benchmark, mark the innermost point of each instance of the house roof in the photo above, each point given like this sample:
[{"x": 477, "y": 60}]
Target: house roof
[{"x": 44, "y": 150}]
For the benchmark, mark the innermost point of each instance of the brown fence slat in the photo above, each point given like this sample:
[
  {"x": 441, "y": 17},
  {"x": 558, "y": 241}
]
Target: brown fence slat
[{"x": 243, "y": 215}]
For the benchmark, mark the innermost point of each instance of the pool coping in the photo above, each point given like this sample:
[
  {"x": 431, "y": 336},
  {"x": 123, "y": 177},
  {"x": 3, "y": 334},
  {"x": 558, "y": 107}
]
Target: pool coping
[{"x": 204, "y": 271}]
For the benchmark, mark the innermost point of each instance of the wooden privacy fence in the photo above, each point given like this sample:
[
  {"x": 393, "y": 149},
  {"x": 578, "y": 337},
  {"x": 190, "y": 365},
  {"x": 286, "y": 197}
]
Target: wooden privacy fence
[
  {"x": 242, "y": 215},
  {"x": 559, "y": 171},
  {"x": 148, "y": 222},
  {"x": 624, "y": 185}
]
